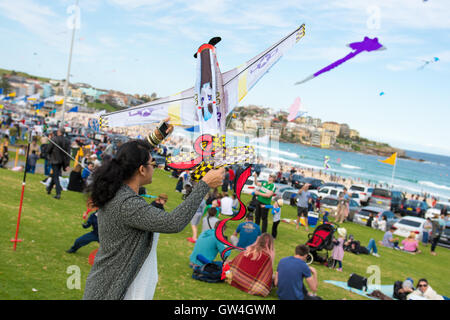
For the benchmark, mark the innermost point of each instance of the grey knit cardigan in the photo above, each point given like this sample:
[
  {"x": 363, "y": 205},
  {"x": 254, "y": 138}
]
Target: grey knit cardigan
[{"x": 125, "y": 226}]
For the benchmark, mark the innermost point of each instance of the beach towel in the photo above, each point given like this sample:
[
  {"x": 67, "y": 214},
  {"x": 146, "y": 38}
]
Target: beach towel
[
  {"x": 387, "y": 289},
  {"x": 252, "y": 276}
]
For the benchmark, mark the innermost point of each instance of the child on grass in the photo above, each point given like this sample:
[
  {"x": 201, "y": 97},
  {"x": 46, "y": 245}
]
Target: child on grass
[
  {"x": 276, "y": 211},
  {"x": 338, "y": 249}
]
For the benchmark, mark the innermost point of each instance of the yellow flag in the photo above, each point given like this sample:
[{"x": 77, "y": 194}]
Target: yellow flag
[
  {"x": 391, "y": 160},
  {"x": 60, "y": 101},
  {"x": 1, "y": 106},
  {"x": 12, "y": 95}
]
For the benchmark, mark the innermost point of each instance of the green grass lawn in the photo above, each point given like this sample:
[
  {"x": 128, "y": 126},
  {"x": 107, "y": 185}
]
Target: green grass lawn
[{"x": 48, "y": 227}]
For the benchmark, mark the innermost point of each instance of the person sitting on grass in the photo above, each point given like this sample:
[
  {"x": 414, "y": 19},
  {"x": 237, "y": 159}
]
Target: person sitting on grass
[
  {"x": 210, "y": 220},
  {"x": 354, "y": 246},
  {"x": 249, "y": 232},
  {"x": 88, "y": 237},
  {"x": 403, "y": 289},
  {"x": 410, "y": 244},
  {"x": 160, "y": 201},
  {"x": 251, "y": 270},
  {"x": 424, "y": 292},
  {"x": 76, "y": 182},
  {"x": 388, "y": 239},
  {"x": 207, "y": 246},
  {"x": 291, "y": 272}
]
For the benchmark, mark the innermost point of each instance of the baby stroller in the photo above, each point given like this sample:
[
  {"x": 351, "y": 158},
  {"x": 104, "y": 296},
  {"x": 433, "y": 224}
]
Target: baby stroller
[{"x": 321, "y": 238}]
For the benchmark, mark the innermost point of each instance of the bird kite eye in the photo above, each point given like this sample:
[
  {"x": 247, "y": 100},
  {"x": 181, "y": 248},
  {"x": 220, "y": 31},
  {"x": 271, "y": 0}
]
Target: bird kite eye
[
  {"x": 209, "y": 97},
  {"x": 203, "y": 99}
]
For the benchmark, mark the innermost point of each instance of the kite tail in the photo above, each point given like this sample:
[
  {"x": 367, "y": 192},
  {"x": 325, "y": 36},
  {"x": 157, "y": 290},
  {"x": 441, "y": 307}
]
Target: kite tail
[{"x": 240, "y": 182}]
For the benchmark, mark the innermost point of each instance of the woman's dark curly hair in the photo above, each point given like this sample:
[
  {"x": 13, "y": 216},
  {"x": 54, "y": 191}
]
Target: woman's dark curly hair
[{"x": 110, "y": 176}]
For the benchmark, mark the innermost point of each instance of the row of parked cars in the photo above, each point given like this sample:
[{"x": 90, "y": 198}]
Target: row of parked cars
[{"x": 405, "y": 214}]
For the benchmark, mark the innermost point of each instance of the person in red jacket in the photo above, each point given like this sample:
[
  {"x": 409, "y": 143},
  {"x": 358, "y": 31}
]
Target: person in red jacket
[{"x": 231, "y": 178}]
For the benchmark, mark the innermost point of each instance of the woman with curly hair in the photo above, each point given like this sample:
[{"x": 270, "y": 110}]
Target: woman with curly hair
[{"x": 125, "y": 266}]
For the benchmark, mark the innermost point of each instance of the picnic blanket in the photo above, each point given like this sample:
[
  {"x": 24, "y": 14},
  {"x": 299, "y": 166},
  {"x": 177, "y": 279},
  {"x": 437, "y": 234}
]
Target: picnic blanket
[
  {"x": 387, "y": 289},
  {"x": 252, "y": 276}
]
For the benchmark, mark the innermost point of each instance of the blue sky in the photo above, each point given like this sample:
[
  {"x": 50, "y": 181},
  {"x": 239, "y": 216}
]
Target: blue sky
[{"x": 145, "y": 46}]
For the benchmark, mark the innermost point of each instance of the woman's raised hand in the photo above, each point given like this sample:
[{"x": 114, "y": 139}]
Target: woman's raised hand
[{"x": 214, "y": 177}]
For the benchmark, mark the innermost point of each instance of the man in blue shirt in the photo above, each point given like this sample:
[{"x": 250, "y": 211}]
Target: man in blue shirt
[
  {"x": 248, "y": 231},
  {"x": 208, "y": 246},
  {"x": 290, "y": 274}
]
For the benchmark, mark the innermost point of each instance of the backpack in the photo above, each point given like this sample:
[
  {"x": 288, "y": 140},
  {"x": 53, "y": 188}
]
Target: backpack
[
  {"x": 44, "y": 152},
  {"x": 397, "y": 295},
  {"x": 209, "y": 272},
  {"x": 357, "y": 282}
]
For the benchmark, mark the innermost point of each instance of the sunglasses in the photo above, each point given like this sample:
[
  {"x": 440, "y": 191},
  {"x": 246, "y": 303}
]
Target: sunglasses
[
  {"x": 422, "y": 285},
  {"x": 153, "y": 164}
]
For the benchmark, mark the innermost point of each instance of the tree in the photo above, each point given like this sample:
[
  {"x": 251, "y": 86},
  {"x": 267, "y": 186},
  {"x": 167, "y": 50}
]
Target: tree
[{"x": 4, "y": 84}]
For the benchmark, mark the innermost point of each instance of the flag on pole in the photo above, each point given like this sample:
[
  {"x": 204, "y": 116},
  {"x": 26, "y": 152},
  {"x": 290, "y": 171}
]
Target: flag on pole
[
  {"x": 12, "y": 94},
  {"x": 59, "y": 101},
  {"x": 391, "y": 160},
  {"x": 74, "y": 109}
]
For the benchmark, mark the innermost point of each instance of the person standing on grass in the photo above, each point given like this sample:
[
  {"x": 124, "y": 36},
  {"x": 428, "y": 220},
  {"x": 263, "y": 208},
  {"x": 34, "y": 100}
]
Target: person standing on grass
[
  {"x": 264, "y": 197},
  {"x": 58, "y": 152},
  {"x": 32, "y": 160},
  {"x": 438, "y": 227},
  {"x": 302, "y": 205},
  {"x": 125, "y": 266},
  {"x": 196, "y": 221},
  {"x": 427, "y": 226}
]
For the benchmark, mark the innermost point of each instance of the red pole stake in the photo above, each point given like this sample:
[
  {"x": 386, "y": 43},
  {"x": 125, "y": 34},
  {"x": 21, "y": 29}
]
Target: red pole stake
[{"x": 15, "y": 240}]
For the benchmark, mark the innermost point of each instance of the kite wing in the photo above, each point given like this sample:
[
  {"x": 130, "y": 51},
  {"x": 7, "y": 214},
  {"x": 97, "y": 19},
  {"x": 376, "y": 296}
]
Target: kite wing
[
  {"x": 178, "y": 107},
  {"x": 238, "y": 81}
]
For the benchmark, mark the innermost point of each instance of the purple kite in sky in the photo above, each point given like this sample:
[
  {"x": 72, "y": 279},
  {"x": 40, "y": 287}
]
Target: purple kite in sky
[{"x": 366, "y": 45}]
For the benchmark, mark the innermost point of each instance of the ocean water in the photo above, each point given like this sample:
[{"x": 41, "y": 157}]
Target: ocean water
[{"x": 431, "y": 176}]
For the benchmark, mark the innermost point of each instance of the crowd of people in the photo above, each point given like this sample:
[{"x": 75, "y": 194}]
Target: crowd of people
[{"x": 114, "y": 180}]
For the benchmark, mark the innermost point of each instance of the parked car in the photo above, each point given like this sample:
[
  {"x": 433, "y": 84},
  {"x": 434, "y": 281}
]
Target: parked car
[
  {"x": 314, "y": 183},
  {"x": 289, "y": 196},
  {"x": 415, "y": 208},
  {"x": 381, "y": 198},
  {"x": 397, "y": 199},
  {"x": 329, "y": 204},
  {"x": 362, "y": 190},
  {"x": 280, "y": 188},
  {"x": 333, "y": 184},
  {"x": 296, "y": 180},
  {"x": 250, "y": 185},
  {"x": 444, "y": 240},
  {"x": 409, "y": 224},
  {"x": 362, "y": 216},
  {"x": 356, "y": 197},
  {"x": 284, "y": 178},
  {"x": 354, "y": 208},
  {"x": 329, "y": 191},
  {"x": 435, "y": 211}
]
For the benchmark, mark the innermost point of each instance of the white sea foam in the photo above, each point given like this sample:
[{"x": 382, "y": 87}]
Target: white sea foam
[
  {"x": 348, "y": 166},
  {"x": 434, "y": 185}
]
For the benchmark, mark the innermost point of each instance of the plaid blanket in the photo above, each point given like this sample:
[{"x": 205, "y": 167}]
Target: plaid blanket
[{"x": 252, "y": 276}]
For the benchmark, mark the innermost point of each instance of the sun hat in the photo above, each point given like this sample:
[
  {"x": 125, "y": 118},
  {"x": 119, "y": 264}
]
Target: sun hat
[
  {"x": 280, "y": 202},
  {"x": 163, "y": 196},
  {"x": 342, "y": 232}
]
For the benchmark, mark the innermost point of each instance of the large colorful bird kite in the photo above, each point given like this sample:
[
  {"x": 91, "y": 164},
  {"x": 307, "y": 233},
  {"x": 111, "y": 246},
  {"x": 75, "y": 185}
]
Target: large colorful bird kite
[
  {"x": 366, "y": 45},
  {"x": 207, "y": 105}
]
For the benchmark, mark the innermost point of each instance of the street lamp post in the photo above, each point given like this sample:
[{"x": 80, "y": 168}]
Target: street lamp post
[{"x": 66, "y": 84}]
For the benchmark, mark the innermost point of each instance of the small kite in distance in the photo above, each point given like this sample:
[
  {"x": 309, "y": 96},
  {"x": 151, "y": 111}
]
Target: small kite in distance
[
  {"x": 296, "y": 110},
  {"x": 427, "y": 62},
  {"x": 381, "y": 93},
  {"x": 366, "y": 45}
]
